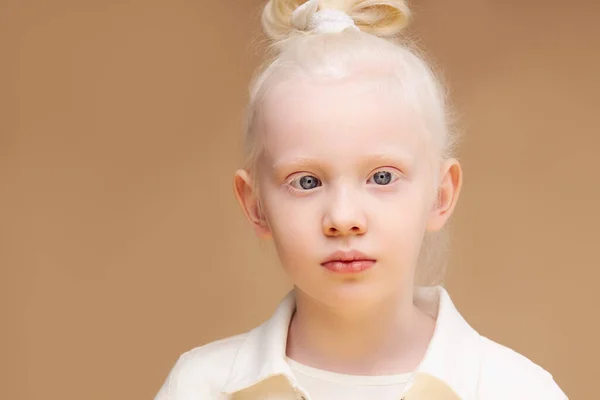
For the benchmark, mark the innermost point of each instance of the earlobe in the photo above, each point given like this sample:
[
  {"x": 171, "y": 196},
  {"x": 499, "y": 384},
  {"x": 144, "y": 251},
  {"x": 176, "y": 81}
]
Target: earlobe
[
  {"x": 447, "y": 195},
  {"x": 243, "y": 188}
]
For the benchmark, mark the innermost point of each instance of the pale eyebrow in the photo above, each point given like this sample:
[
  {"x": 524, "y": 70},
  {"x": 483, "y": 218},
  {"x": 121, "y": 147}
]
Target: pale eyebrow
[
  {"x": 399, "y": 159},
  {"x": 285, "y": 167},
  {"x": 396, "y": 158}
]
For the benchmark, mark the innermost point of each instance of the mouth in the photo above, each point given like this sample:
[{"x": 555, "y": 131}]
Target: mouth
[{"x": 348, "y": 262}]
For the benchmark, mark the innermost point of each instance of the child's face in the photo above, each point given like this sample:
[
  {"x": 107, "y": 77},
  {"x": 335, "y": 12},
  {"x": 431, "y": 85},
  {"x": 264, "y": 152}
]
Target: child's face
[{"x": 345, "y": 169}]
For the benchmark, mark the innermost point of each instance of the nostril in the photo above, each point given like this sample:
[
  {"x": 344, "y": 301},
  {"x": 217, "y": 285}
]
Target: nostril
[{"x": 356, "y": 229}]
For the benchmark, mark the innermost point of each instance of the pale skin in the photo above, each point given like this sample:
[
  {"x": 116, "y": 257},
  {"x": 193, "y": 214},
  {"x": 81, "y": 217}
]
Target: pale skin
[{"x": 347, "y": 168}]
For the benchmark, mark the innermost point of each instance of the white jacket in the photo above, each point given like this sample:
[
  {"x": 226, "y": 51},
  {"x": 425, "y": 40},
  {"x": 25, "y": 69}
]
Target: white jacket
[{"x": 252, "y": 365}]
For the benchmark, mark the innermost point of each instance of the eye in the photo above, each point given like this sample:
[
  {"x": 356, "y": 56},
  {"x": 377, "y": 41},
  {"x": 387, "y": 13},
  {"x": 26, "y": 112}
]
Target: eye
[
  {"x": 305, "y": 182},
  {"x": 383, "y": 177}
]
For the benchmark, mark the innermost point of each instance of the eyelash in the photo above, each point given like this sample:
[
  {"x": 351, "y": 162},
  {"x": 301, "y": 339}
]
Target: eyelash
[{"x": 292, "y": 189}]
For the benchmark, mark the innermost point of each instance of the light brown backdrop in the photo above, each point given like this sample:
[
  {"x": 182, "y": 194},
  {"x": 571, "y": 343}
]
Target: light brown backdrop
[{"x": 122, "y": 246}]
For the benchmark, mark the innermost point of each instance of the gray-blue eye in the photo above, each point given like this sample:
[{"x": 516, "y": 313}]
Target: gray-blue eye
[
  {"x": 308, "y": 182},
  {"x": 382, "y": 177}
]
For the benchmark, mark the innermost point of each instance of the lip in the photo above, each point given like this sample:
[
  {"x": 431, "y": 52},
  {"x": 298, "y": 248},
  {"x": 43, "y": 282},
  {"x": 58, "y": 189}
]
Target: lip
[{"x": 352, "y": 261}]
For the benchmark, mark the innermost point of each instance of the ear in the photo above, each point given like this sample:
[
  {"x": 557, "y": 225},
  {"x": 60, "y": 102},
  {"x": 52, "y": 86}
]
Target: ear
[
  {"x": 242, "y": 185},
  {"x": 447, "y": 194}
]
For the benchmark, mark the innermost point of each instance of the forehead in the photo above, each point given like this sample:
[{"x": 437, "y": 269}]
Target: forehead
[{"x": 337, "y": 120}]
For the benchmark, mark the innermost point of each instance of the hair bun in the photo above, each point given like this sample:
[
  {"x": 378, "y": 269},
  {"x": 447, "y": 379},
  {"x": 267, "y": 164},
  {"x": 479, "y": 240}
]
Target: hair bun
[{"x": 384, "y": 18}]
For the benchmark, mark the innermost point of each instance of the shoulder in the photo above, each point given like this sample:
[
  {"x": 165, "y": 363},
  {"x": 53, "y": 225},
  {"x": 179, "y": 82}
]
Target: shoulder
[
  {"x": 212, "y": 360},
  {"x": 507, "y": 374},
  {"x": 202, "y": 371}
]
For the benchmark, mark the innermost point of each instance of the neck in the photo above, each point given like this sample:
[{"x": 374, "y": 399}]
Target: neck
[{"x": 389, "y": 337}]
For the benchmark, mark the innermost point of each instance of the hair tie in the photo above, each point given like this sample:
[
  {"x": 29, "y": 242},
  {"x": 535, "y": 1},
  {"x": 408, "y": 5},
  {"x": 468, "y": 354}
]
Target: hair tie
[{"x": 306, "y": 17}]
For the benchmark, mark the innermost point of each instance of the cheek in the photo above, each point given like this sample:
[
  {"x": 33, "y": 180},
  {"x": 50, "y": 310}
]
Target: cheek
[
  {"x": 294, "y": 226},
  {"x": 402, "y": 219},
  {"x": 400, "y": 222}
]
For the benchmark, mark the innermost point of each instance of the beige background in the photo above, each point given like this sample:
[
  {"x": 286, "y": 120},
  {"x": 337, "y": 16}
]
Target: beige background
[{"x": 121, "y": 243}]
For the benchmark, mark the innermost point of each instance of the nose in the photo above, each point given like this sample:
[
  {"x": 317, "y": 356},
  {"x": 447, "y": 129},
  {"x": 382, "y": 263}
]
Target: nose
[{"x": 344, "y": 215}]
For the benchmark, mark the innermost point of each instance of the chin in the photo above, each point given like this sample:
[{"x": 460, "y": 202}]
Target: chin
[{"x": 349, "y": 293}]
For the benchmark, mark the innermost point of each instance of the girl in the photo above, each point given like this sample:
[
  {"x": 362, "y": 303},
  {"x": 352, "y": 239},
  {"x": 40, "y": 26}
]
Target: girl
[{"x": 350, "y": 172}]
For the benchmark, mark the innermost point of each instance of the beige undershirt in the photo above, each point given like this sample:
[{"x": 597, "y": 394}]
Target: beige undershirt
[{"x": 327, "y": 385}]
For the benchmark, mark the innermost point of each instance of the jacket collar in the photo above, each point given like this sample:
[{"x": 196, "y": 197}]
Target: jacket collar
[{"x": 452, "y": 355}]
